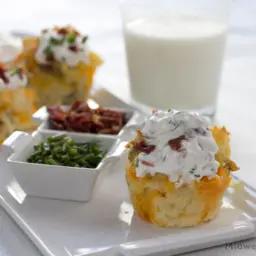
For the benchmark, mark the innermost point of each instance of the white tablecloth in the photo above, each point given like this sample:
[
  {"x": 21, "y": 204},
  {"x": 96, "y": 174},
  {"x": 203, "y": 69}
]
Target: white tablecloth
[{"x": 100, "y": 18}]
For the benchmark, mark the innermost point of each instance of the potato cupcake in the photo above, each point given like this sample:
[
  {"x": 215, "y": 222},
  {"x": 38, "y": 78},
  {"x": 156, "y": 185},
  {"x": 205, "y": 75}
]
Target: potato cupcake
[
  {"x": 17, "y": 103},
  {"x": 60, "y": 66},
  {"x": 178, "y": 169}
]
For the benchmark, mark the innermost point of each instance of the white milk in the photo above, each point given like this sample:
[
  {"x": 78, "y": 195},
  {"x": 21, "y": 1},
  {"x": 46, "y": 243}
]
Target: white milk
[{"x": 175, "y": 62}]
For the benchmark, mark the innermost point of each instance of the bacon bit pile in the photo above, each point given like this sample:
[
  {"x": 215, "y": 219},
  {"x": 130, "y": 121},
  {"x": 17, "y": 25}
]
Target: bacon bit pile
[{"x": 80, "y": 118}]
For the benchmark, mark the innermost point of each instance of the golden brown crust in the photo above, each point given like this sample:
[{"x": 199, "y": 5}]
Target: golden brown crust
[
  {"x": 161, "y": 202},
  {"x": 16, "y": 109},
  {"x": 57, "y": 84}
]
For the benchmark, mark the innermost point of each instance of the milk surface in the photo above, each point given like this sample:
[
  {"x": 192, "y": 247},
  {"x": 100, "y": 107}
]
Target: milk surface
[{"x": 174, "y": 61}]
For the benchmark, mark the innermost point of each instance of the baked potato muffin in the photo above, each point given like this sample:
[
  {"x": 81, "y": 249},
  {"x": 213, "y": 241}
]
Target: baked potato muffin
[
  {"x": 60, "y": 66},
  {"x": 17, "y": 102},
  {"x": 178, "y": 169}
]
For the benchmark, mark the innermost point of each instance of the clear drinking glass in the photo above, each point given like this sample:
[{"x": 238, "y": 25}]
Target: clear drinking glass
[{"x": 175, "y": 51}]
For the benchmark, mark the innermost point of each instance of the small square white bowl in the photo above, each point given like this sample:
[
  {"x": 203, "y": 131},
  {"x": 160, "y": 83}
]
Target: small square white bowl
[
  {"x": 58, "y": 182},
  {"x": 132, "y": 119}
]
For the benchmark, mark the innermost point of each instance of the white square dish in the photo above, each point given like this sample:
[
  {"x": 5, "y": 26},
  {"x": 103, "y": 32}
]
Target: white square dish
[
  {"x": 131, "y": 119},
  {"x": 58, "y": 182}
]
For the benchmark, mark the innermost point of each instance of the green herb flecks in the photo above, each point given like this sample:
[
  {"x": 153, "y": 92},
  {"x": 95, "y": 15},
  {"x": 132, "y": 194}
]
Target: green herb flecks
[
  {"x": 16, "y": 71},
  {"x": 84, "y": 39},
  {"x": 136, "y": 163},
  {"x": 172, "y": 122},
  {"x": 56, "y": 41},
  {"x": 71, "y": 38},
  {"x": 49, "y": 53},
  {"x": 63, "y": 150}
]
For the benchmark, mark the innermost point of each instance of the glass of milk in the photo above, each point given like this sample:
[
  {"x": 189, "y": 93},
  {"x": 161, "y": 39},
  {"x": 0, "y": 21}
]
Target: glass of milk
[{"x": 174, "y": 52}]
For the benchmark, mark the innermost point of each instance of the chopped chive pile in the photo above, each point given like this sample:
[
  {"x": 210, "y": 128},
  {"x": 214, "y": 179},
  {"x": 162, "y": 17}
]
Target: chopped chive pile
[{"x": 62, "y": 150}]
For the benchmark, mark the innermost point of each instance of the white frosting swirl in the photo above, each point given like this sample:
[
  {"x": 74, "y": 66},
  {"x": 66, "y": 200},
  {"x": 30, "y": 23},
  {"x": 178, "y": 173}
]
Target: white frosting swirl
[
  {"x": 62, "y": 52},
  {"x": 193, "y": 160},
  {"x": 14, "y": 80}
]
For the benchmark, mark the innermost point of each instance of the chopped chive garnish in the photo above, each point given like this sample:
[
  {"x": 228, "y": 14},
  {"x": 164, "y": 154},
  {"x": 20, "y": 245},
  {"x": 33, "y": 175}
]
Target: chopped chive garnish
[
  {"x": 84, "y": 39},
  {"x": 136, "y": 163},
  {"x": 49, "y": 54},
  {"x": 47, "y": 51},
  {"x": 71, "y": 38},
  {"x": 14, "y": 72},
  {"x": 172, "y": 122},
  {"x": 55, "y": 41}
]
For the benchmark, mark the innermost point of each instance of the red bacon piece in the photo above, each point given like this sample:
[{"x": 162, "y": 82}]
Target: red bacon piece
[
  {"x": 147, "y": 163},
  {"x": 73, "y": 48},
  {"x": 3, "y": 75},
  {"x": 141, "y": 146},
  {"x": 175, "y": 144},
  {"x": 62, "y": 31}
]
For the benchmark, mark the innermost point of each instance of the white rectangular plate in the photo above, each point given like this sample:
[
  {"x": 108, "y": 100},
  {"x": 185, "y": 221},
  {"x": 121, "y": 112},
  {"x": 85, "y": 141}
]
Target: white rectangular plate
[{"x": 107, "y": 226}]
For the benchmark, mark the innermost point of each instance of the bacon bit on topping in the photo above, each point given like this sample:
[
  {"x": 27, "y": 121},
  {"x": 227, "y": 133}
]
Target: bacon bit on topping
[
  {"x": 76, "y": 33},
  {"x": 147, "y": 163},
  {"x": 175, "y": 144},
  {"x": 154, "y": 111},
  {"x": 3, "y": 75},
  {"x": 62, "y": 31},
  {"x": 73, "y": 48},
  {"x": 141, "y": 146}
]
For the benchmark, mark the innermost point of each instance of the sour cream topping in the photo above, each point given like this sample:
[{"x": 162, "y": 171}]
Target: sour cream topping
[
  {"x": 184, "y": 148},
  {"x": 12, "y": 79},
  {"x": 66, "y": 48}
]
